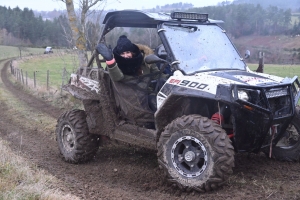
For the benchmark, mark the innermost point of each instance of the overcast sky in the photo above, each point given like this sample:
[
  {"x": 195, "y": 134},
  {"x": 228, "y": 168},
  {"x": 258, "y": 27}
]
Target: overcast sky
[{"x": 48, "y": 5}]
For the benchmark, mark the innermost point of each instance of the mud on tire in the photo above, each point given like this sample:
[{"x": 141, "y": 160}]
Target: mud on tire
[
  {"x": 288, "y": 148},
  {"x": 74, "y": 141},
  {"x": 195, "y": 153}
]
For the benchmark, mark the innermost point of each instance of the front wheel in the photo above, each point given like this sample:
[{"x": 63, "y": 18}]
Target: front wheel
[
  {"x": 288, "y": 148},
  {"x": 75, "y": 142},
  {"x": 195, "y": 153}
]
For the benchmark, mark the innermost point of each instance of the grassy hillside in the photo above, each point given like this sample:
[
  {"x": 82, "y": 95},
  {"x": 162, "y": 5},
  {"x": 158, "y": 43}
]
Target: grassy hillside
[
  {"x": 278, "y": 49},
  {"x": 10, "y": 51},
  {"x": 279, "y": 70},
  {"x": 59, "y": 60},
  {"x": 56, "y": 63}
]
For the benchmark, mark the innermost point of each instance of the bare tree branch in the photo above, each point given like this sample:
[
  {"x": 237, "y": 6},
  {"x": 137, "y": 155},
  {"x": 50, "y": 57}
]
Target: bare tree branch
[{"x": 78, "y": 26}]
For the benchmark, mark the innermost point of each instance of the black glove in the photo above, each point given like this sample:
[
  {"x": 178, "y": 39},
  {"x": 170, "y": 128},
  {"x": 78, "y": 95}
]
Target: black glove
[{"x": 104, "y": 51}]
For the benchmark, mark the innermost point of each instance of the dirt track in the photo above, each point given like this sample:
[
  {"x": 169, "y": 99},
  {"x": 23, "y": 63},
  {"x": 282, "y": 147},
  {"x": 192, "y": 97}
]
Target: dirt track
[{"x": 121, "y": 172}]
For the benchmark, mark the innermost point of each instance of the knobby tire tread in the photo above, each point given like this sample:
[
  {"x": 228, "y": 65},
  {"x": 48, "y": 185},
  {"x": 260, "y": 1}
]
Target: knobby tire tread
[
  {"x": 86, "y": 143},
  {"x": 223, "y": 159}
]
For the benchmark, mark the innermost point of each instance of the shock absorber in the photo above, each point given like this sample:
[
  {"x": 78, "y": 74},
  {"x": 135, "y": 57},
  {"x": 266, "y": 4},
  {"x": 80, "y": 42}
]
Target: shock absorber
[{"x": 219, "y": 119}]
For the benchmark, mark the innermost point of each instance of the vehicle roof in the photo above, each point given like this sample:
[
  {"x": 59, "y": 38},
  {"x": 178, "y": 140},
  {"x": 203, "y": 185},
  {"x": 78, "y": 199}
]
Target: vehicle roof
[{"x": 136, "y": 18}]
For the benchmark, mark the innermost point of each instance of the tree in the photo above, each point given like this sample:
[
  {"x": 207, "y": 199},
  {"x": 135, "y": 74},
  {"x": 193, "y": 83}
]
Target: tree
[
  {"x": 93, "y": 28},
  {"x": 78, "y": 26}
]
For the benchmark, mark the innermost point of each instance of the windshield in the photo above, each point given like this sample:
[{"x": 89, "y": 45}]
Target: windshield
[{"x": 202, "y": 47}]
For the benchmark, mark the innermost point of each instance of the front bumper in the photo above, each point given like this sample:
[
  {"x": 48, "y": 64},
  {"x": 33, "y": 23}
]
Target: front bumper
[{"x": 265, "y": 106}]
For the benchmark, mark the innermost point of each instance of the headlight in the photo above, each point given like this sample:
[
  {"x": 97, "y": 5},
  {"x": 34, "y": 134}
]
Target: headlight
[{"x": 242, "y": 95}]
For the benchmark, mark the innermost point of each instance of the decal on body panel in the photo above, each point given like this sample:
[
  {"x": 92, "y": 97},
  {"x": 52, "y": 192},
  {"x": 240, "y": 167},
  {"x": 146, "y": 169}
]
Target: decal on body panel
[
  {"x": 202, "y": 82},
  {"x": 253, "y": 80},
  {"x": 187, "y": 83},
  {"x": 176, "y": 81},
  {"x": 85, "y": 83}
]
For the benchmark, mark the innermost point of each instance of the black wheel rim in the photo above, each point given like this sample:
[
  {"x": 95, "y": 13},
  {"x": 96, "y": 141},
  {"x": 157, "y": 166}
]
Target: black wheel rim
[
  {"x": 68, "y": 138},
  {"x": 189, "y": 156}
]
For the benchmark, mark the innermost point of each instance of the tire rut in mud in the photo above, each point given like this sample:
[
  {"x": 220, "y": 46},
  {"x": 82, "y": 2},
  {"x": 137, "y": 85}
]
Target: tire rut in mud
[
  {"x": 120, "y": 172},
  {"x": 24, "y": 96}
]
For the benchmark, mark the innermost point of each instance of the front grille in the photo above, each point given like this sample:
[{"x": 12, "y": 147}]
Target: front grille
[
  {"x": 280, "y": 106},
  {"x": 277, "y": 92},
  {"x": 277, "y": 100}
]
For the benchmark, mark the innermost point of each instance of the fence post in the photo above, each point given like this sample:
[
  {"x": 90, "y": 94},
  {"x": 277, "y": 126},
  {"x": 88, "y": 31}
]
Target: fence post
[
  {"x": 261, "y": 63},
  {"x": 22, "y": 77},
  {"x": 18, "y": 74},
  {"x": 11, "y": 68},
  {"x": 26, "y": 78},
  {"x": 47, "y": 80},
  {"x": 63, "y": 79},
  {"x": 34, "y": 79}
]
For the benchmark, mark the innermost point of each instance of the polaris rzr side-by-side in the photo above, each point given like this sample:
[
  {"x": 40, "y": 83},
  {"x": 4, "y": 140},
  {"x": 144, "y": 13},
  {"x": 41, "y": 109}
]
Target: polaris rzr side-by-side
[{"x": 209, "y": 106}]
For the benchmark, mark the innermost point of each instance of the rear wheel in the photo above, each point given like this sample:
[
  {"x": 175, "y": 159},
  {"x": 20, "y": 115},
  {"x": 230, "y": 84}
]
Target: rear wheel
[
  {"x": 75, "y": 142},
  {"x": 288, "y": 148},
  {"x": 195, "y": 153}
]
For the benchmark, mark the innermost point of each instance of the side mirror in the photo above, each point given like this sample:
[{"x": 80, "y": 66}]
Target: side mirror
[
  {"x": 247, "y": 54},
  {"x": 150, "y": 59}
]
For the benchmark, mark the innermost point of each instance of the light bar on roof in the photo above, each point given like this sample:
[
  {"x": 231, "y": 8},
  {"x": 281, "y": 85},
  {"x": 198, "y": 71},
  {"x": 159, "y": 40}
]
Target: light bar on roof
[{"x": 191, "y": 16}]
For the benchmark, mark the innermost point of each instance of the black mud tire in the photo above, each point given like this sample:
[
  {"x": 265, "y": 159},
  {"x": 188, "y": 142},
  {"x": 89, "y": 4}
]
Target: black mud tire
[
  {"x": 195, "y": 153},
  {"x": 75, "y": 142},
  {"x": 291, "y": 150}
]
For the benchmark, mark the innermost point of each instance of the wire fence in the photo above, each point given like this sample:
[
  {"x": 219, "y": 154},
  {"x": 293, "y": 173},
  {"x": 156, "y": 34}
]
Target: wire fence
[{"x": 41, "y": 80}]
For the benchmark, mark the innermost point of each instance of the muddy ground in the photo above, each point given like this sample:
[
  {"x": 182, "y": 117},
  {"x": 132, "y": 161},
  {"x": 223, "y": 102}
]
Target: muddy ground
[{"x": 123, "y": 172}]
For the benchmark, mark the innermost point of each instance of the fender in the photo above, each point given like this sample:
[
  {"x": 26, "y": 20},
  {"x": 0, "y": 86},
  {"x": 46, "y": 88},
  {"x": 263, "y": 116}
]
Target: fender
[{"x": 83, "y": 88}]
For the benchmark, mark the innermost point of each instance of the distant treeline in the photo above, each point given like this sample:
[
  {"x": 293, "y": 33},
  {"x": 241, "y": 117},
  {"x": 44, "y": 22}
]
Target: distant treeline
[
  {"x": 21, "y": 26},
  {"x": 173, "y": 6},
  {"x": 251, "y": 19},
  {"x": 240, "y": 19},
  {"x": 283, "y": 4}
]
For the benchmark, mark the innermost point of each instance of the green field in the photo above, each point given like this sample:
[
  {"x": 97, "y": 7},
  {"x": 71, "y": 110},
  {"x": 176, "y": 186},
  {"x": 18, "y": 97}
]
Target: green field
[
  {"x": 34, "y": 60},
  {"x": 14, "y": 52},
  {"x": 56, "y": 64},
  {"x": 59, "y": 60},
  {"x": 279, "y": 70}
]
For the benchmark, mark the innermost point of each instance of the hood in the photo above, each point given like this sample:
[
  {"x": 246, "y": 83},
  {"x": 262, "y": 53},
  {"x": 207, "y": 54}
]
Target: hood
[
  {"x": 209, "y": 81},
  {"x": 244, "y": 78}
]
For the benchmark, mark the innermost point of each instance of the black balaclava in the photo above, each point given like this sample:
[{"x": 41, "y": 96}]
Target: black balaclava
[{"x": 129, "y": 66}]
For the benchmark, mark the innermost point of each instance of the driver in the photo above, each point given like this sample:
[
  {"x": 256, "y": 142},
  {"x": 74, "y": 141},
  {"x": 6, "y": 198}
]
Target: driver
[{"x": 126, "y": 60}]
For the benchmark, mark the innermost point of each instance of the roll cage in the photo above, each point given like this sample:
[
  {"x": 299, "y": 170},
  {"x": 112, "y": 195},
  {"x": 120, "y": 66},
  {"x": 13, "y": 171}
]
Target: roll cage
[{"x": 141, "y": 19}]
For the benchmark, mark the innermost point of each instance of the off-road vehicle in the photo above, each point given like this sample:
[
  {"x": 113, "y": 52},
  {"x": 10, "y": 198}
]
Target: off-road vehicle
[
  {"x": 209, "y": 108},
  {"x": 48, "y": 50}
]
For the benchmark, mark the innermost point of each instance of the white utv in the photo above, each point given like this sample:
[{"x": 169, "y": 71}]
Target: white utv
[{"x": 209, "y": 108}]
